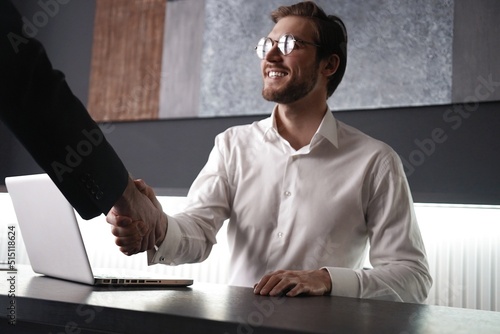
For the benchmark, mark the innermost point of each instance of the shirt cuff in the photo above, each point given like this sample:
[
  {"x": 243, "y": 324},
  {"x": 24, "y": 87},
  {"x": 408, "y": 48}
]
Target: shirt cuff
[
  {"x": 166, "y": 253},
  {"x": 345, "y": 282}
]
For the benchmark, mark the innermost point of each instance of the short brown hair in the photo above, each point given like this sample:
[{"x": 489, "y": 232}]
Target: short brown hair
[{"x": 332, "y": 35}]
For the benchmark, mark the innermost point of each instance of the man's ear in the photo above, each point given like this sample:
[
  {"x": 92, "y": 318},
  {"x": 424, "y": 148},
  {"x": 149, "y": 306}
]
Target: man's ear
[{"x": 331, "y": 65}]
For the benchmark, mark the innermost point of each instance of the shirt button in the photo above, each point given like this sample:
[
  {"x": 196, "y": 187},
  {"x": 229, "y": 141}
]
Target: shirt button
[
  {"x": 280, "y": 234},
  {"x": 288, "y": 194},
  {"x": 162, "y": 259}
]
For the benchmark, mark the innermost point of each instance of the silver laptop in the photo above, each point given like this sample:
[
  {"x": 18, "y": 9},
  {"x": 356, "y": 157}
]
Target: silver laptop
[{"x": 53, "y": 239}]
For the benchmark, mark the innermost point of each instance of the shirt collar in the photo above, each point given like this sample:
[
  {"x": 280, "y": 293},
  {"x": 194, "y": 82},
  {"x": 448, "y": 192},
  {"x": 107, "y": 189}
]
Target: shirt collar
[
  {"x": 269, "y": 125},
  {"x": 327, "y": 128}
]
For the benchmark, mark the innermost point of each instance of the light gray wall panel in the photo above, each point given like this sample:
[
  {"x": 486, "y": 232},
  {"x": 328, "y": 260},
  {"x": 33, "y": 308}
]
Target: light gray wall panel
[
  {"x": 399, "y": 54},
  {"x": 180, "y": 77}
]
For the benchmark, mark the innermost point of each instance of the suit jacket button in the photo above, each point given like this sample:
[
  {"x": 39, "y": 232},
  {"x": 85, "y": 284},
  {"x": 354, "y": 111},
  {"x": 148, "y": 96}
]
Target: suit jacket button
[{"x": 85, "y": 177}]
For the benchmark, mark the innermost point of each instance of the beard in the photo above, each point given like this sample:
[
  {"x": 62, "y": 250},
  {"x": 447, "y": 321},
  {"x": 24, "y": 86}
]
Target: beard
[{"x": 293, "y": 90}]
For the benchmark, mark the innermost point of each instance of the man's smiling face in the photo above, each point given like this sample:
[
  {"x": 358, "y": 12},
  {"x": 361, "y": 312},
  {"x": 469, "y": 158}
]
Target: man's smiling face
[{"x": 291, "y": 77}]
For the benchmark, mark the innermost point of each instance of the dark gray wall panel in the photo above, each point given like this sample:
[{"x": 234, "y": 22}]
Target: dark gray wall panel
[
  {"x": 476, "y": 51},
  {"x": 66, "y": 31},
  {"x": 450, "y": 153}
]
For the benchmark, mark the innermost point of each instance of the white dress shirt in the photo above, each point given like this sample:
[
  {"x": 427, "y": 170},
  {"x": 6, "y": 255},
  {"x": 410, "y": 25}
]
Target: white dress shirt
[{"x": 316, "y": 207}]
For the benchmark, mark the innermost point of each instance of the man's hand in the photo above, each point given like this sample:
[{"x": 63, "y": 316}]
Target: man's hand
[
  {"x": 138, "y": 220},
  {"x": 294, "y": 282}
]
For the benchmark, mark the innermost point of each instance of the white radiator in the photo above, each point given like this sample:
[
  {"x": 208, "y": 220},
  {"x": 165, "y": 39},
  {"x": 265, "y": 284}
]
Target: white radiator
[
  {"x": 462, "y": 242},
  {"x": 463, "y": 248}
]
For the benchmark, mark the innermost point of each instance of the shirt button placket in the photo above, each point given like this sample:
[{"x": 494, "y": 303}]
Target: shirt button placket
[
  {"x": 286, "y": 204},
  {"x": 278, "y": 243}
]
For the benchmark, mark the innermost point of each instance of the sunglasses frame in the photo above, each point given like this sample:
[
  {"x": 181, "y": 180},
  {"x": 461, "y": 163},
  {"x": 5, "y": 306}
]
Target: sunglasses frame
[{"x": 284, "y": 39}]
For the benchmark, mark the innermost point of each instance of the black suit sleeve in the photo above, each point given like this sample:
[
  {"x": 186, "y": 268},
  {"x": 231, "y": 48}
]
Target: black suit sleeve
[{"x": 37, "y": 105}]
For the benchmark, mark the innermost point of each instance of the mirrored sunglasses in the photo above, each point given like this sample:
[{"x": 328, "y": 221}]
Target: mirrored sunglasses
[{"x": 286, "y": 44}]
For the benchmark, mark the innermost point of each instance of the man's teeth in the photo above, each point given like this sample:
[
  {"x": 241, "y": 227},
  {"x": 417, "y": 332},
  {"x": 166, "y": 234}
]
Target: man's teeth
[{"x": 274, "y": 74}]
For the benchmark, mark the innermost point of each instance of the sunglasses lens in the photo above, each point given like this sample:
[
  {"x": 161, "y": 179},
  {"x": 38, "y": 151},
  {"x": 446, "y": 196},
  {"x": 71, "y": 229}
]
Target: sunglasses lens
[
  {"x": 286, "y": 44},
  {"x": 260, "y": 48},
  {"x": 263, "y": 47}
]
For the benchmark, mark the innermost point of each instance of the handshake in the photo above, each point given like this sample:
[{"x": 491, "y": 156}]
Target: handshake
[{"x": 139, "y": 223}]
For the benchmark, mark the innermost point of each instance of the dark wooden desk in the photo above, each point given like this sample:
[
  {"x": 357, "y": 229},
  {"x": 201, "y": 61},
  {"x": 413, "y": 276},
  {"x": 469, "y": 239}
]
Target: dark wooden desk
[{"x": 49, "y": 305}]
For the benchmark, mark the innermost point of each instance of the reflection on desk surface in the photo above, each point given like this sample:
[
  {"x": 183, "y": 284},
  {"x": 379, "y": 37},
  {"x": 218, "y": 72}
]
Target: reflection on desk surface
[{"x": 220, "y": 309}]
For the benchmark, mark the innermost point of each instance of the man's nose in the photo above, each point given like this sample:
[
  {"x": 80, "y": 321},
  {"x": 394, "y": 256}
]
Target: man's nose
[{"x": 274, "y": 54}]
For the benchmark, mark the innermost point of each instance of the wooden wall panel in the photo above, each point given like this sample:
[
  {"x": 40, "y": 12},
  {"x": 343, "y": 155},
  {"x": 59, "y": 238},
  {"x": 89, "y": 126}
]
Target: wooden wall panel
[{"x": 126, "y": 59}]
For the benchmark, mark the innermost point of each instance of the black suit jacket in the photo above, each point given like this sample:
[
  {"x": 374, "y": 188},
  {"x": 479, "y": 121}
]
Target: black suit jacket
[{"x": 37, "y": 105}]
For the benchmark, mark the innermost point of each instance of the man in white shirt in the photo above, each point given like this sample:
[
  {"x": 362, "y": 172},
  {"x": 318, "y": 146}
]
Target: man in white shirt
[{"x": 304, "y": 194}]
